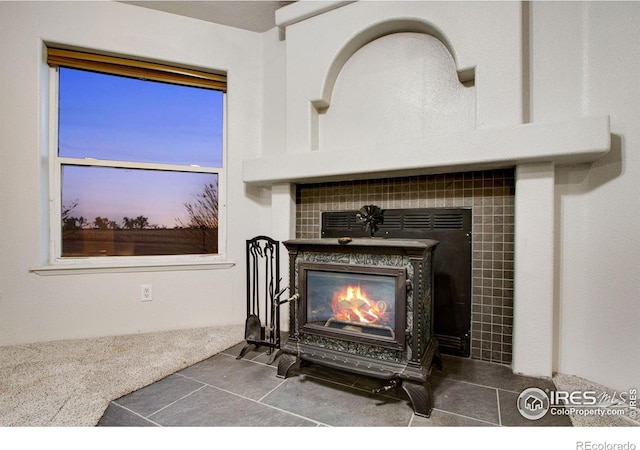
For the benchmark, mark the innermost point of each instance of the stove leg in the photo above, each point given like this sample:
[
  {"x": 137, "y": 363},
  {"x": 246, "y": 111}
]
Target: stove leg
[
  {"x": 420, "y": 396},
  {"x": 274, "y": 356},
  {"x": 285, "y": 363}
]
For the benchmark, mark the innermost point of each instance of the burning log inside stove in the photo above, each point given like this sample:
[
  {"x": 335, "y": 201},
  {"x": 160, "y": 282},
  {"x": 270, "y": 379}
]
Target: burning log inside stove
[
  {"x": 353, "y": 305},
  {"x": 374, "y": 330},
  {"x": 363, "y": 303},
  {"x": 354, "y": 311}
]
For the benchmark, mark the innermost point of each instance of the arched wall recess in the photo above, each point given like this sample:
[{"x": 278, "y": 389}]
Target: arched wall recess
[
  {"x": 375, "y": 31},
  {"x": 393, "y": 80}
]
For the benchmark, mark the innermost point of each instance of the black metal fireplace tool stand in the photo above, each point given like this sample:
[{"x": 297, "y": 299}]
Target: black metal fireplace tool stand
[{"x": 262, "y": 326}]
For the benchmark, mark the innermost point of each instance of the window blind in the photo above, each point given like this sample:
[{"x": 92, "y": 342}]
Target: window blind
[{"x": 137, "y": 69}]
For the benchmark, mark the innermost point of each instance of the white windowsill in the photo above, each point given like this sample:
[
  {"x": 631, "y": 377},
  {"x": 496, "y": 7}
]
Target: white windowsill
[{"x": 90, "y": 267}]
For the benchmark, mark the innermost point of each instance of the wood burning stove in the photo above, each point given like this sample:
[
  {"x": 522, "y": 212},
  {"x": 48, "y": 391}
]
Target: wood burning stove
[{"x": 364, "y": 306}]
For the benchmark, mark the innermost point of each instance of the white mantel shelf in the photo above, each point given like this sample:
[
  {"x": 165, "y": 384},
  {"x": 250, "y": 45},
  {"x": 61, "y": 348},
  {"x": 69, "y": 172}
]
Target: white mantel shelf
[{"x": 580, "y": 140}]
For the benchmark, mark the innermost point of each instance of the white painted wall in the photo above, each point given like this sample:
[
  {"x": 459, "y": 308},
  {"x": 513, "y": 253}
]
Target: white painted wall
[
  {"x": 533, "y": 270},
  {"x": 39, "y": 308},
  {"x": 586, "y": 60}
]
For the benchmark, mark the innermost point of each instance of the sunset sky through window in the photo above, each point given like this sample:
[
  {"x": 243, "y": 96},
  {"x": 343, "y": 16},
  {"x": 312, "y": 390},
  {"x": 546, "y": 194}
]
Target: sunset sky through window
[{"x": 111, "y": 117}]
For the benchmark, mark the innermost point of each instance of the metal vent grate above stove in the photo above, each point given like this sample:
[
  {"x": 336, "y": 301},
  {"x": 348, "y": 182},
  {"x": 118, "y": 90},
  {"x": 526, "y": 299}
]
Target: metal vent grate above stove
[
  {"x": 339, "y": 221},
  {"x": 417, "y": 221},
  {"x": 449, "y": 221},
  {"x": 395, "y": 222}
]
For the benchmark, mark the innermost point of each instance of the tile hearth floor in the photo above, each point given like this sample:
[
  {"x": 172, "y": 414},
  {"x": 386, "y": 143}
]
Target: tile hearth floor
[{"x": 224, "y": 392}]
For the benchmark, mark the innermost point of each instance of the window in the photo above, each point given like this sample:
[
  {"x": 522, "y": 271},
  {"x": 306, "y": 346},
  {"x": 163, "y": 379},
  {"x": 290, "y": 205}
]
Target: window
[{"x": 138, "y": 158}]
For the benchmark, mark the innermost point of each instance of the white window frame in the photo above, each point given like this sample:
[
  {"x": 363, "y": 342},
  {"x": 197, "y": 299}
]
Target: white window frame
[{"x": 89, "y": 264}]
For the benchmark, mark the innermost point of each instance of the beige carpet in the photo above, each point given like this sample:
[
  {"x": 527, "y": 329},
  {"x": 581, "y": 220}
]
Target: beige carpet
[{"x": 70, "y": 383}]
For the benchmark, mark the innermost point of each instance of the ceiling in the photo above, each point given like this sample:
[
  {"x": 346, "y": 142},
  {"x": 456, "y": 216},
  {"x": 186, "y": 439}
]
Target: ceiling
[{"x": 258, "y": 16}]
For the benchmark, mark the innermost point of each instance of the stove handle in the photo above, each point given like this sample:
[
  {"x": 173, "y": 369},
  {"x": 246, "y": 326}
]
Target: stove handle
[
  {"x": 409, "y": 285},
  {"x": 408, "y": 335}
]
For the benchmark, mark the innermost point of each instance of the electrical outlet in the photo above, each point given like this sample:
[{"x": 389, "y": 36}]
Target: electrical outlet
[{"x": 146, "y": 293}]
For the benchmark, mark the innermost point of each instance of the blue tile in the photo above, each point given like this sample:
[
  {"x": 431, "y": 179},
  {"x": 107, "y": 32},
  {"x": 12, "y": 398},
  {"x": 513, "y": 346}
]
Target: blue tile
[
  {"x": 248, "y": 379},
  {"x": 465, "y": 399},
  {"x": 444, "y": 419},
  {"x": 151, "y": 398},
  {"x": 117, "y": 416},
  {"x": 211, "y": 407},
  {"x": 337, "y": 405}
]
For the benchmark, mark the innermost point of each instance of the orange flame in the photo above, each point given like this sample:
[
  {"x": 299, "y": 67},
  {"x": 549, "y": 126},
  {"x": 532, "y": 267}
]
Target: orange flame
[{"x": 352, "y": 305}]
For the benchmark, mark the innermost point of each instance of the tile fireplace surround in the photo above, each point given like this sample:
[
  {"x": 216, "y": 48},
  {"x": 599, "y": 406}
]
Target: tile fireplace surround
[{"x": 490, "y": 195}]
